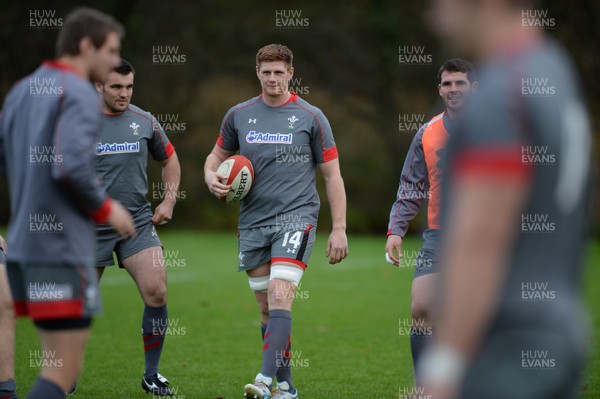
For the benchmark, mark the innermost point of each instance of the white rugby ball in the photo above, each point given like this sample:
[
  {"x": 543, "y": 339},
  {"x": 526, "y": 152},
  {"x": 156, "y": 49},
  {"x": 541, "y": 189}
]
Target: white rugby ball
[{"x": 239, "y": 174}]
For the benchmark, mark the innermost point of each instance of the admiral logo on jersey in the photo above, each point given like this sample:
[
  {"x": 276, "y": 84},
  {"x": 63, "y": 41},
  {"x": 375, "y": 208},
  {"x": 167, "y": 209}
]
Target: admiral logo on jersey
[
  {"x": 270, "y": 138},
  {"x": 117, "y": 148}
]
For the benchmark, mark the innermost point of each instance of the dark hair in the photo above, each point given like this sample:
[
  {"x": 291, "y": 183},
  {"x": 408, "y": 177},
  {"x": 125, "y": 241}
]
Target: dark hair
[
  {"x": 458, "y": 65},
  {"x": 85, "y": 22},
  {"x": 275, "y": 52},
  {"x": 125, "y": 68}
]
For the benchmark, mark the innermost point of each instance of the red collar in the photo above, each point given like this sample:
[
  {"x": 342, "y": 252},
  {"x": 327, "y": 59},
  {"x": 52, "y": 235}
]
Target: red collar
[{"x": 60, "y": 65}]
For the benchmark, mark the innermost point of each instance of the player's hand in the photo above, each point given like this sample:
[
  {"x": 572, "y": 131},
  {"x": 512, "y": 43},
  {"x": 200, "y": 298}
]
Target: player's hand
[
  {"x": 394, "y": 243},
  {"x": 337, "y": 246},
  {"x": 163, "y": 212},
  {"x": 3, "y": 244},
  {"x": 216, "y": 188},
  {"x": 120, "y": 219}
]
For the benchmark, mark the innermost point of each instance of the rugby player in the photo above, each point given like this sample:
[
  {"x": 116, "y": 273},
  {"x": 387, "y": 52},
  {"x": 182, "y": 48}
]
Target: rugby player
[
  {"x": 273, "y": 251},
  {"x": 128, "y": 135},
  {"x": 8, "y": 387},
  {"x": 55, "y": 200},
  {"x": 420, "y": 180},
  {"x": 513, "y": 222}
]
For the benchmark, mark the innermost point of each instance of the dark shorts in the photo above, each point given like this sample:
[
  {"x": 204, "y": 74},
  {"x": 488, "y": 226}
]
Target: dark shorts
[
  {"x": 525, "y": 364},
  {"x": 274, "y": 244},
  {"x": 108, "y": 241},
  {"x": 426, "y": 262},
  {"x": 54, "y": 290}
]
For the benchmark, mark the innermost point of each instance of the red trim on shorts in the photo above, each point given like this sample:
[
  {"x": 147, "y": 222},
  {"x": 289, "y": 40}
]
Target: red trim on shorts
[
  {"x": 20, "y": 308},
  {"x": 289, "y": 260},
  {"x": 100, "y": 215},
  {"x": 50, "y": 310}
]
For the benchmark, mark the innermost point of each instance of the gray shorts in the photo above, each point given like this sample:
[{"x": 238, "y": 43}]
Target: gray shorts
[
  {"x": 273, "y": 244},
  {"x": 426, "y": 262},
  {"x": 2, "y": 257},
  {"x": 109, "y": 241},
  {"x": 54, "y": 290}
]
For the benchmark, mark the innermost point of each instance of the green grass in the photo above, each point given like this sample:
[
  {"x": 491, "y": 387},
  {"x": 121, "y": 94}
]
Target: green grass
[{"x": 345, "y": 326}]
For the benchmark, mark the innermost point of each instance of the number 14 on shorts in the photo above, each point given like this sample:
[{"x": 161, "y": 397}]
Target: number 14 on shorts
[{"x": 292, "y": 240}]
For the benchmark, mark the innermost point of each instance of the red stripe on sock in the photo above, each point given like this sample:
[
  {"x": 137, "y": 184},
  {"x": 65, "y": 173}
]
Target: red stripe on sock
[
  {"x": 147, "y": 337},
  {"x": 265, "y": 346},
  {"x": 150, "y": 346}
]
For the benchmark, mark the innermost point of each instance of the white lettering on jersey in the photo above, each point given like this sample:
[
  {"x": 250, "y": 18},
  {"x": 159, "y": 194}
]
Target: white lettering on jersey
[
  {"x": 268, "y": 138},
  {"x": 117, "y": 148}
]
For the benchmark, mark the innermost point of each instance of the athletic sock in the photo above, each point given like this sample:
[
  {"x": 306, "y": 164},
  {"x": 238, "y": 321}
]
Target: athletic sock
[
  {"x": 418, "y": 341},
  {"x": 45, "y": 389},
  {"x": 263, "y": 329},
  {"x": 276, "y": 341},
  {"x": 154, "y": 325},
  {"x": 284, "y": 371},
  {"x": 8, "y": 389}
]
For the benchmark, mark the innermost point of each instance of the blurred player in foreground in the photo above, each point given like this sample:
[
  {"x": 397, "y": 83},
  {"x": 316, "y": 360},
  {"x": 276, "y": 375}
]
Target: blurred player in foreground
[
  {"x": 128, "y": 135},
  {"x": 278, "y": 217},
  {"x": 8, "y": 387},
  {"x": 513, "y": 215},
  {"x": 420, "y": 180},
  {"x": 48, "y": 129}
]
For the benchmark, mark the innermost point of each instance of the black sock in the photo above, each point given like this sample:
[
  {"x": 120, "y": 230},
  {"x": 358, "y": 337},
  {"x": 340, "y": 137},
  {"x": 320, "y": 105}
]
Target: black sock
[
  {"x": 155, "y": 322},
  {"x": 44, "y": 389}
]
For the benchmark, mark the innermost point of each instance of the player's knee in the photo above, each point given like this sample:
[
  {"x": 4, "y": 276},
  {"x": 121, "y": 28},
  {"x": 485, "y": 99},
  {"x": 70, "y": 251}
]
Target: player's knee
[
  {"x": 156, "y": 295},
  {"x": 420, "y": 311}
]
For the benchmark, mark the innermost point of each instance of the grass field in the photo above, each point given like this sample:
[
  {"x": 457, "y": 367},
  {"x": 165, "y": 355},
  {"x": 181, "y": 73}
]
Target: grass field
[{"x": 346, "y": 335}]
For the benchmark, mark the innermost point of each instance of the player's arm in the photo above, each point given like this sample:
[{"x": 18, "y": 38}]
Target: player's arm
[
  {"x": 162, "y": 150},
  {"x": 326, "y": 156},
  {"x": 337, "y": 246},
  {"x": 74, "y": 140},
  {"x": 171, "y": 176},
  {"x": 227, "y": 145},
  {"x": 408, "y": 202}
]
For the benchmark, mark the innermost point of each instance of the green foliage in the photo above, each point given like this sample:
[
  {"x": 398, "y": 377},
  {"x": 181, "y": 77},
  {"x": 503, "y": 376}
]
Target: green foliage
[{"x": 346, "y": 58}]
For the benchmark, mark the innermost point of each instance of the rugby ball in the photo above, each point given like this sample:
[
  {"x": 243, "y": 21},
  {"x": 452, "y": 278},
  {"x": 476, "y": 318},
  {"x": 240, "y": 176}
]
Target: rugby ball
[{"x": 239, "y": 174}]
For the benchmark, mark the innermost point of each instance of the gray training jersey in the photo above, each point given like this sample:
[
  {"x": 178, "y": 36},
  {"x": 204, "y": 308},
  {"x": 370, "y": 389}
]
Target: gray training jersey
[
  {"x": 48, "y": 128},
  {"x": 122, "y": 149},
  {"x": 284, "y": 145},
  {"x": 528, "y": 122}
]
